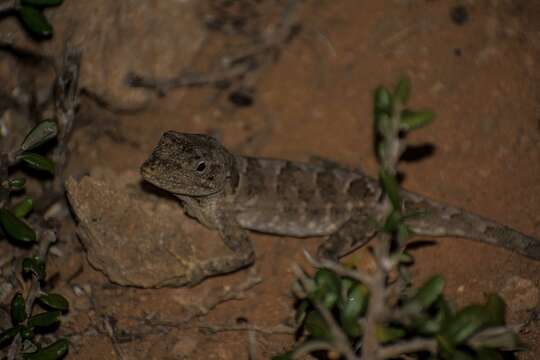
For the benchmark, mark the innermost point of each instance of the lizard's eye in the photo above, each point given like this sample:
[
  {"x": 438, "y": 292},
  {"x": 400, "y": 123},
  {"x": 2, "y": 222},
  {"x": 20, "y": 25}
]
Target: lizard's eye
[{"x": 201, "y": 166}]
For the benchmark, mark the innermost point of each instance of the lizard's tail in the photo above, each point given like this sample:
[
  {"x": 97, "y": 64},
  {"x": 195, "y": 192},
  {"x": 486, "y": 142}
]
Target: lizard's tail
[{"x": 443, "y": 220}]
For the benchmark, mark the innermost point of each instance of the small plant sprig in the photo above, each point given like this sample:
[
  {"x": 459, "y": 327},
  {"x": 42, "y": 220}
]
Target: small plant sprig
[
  {"x": 347, "y": 313},
  {"x": 24, "y": 324},
  {"x": 21, "y": 335},
  {"x": 12, "y": 224},
  {"x": 30, "y": 13}
]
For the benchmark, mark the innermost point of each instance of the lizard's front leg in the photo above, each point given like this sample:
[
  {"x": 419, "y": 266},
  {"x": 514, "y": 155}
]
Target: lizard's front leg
[
  {"x": 238, "y": 241},
  {"x": 355, "y": 233}
]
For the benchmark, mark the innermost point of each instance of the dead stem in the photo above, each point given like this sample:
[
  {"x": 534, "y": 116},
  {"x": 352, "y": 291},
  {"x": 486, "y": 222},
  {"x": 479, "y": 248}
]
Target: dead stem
[
  {"x": 271, "y": 330},
  {"x": 250, "y": 60},
  {"x": 409, "y": 346},
  {"x": 378, "y": 310},
  {"x": 8, "y": 6}
]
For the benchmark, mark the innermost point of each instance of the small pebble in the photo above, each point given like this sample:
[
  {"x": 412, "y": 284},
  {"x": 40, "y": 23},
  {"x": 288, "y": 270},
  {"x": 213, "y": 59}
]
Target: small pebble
[
  {"x": 242, "y": 98},
  {"x": 520, "y": 294},
  {"x": 459, "y": 15}
]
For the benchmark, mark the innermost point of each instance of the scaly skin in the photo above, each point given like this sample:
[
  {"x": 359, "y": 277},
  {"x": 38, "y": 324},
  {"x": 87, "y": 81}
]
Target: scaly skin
[{"x": 232, "y": 193}]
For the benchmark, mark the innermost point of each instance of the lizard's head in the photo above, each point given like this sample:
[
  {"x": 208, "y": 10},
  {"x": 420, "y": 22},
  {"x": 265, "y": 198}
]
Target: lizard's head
[{"x": 188, "y": 164}]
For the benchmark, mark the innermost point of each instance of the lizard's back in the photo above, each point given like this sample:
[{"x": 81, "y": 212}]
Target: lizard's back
[{"x": 298, "y": 199}]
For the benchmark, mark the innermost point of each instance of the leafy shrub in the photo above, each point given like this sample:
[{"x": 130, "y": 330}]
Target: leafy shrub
[
  {"x": 347, "y": 313},
  {"x": 25, "y": 324}
]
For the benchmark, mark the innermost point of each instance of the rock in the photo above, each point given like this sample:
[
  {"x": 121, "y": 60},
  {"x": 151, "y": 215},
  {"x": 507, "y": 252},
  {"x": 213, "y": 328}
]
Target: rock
[
  {"x": 137, "y": 238},
  {"x": 153, "y": 38},
  {"x": 185, "y": 346},
  {"x": 6, "y": 290},
  {"x": 520, "y": 294}
]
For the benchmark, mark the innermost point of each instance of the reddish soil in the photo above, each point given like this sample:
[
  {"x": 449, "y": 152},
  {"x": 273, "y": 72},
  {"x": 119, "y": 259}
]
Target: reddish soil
[{"x": 480, "y": 74}]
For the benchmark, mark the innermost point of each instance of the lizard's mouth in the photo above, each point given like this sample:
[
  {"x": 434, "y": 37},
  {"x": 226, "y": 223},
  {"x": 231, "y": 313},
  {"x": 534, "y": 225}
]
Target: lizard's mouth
[
  {"x": 163, "y": 185},
  {"x": 149, "y": 177},
  {"x": 147, "y": 173},
  {"x": 174, "y": 187}
]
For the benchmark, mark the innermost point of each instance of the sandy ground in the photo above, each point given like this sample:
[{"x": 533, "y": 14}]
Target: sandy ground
[{"x": 478, "y": 69}]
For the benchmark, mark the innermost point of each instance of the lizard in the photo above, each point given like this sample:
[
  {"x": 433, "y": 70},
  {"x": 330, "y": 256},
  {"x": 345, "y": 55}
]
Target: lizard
[{"x": 234, "y": 194}]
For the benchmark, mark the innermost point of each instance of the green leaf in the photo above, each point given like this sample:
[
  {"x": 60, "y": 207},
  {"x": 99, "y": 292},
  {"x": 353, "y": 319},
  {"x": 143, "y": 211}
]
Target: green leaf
[
  {"x": 16, "y": 184},
  {"x": 429, "y": 325},
  {"x": 27, "y": 333},
  {"x": 35, "y": 266},
  {"x": 357, "y": 300},
  {"x": 346, "y": 285},
  {"x": 353, "y": 308},
  {"x": 316, "y": 326},
  {"x": 403, "y": 90},
  {"x": 446, "y": 346},
  {"x": 465, "y": 323},
  {"x": 9, "y": 334},
  {"x": 15, "y": 227},
  {"x": 391, "y": 188},
  {"x": 392, "y": 221},
  {"x": 51, "y": 352},
  {"x": 42, "y": 3},
  {"x": 384, "y": 124},
  {"x": 301, "y": 311},
  {"x": 23, "y": 208},
  {"x": 38, "y": 162},
  {"x": 382, "y": 101},
  {"x": 406, "y": 258},
  {"x": 500, "y": 337},
  {"x": 381, "y": 150},
  {"x": 495, "y": 307},
  {"x": 386, "y": 334},
  {"x": 41, "y": 133},
  {"x": 328, "y": 288},
  {"x": 426, "y": 295},
  {"x": 18, "y": 309},
  {"x": 412, "y": 120},
  {"x": 54, "y": 301},
  {"x": 45, "y": 319},
  {"x": 34, "y": 20},
  {"x": 403, "y": 232}
]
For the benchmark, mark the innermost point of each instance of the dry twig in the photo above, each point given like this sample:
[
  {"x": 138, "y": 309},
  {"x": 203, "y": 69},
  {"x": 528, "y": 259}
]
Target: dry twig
[
  {"x": 7, "y": 6},
  {"x": 409, "y": 346},
  {"x": 272, "y": 330},
  {"x": 234, "y": 67},
  {"x": 378, "y": 310}
]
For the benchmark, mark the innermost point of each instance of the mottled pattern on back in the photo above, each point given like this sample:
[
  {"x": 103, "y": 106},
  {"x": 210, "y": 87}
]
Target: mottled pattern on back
[
  {"x": 297, "y": 199},
  {"x": 232, "y": 193}
]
